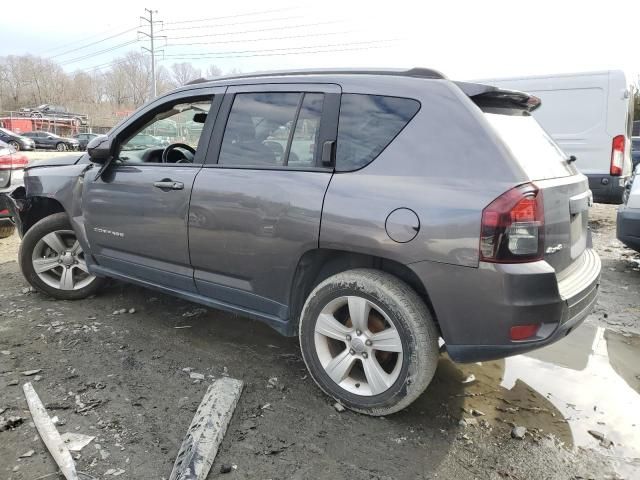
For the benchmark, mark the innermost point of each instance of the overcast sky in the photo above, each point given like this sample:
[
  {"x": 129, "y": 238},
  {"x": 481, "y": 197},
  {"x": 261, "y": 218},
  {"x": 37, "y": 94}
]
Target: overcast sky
[{"x": 464, "y": 40}]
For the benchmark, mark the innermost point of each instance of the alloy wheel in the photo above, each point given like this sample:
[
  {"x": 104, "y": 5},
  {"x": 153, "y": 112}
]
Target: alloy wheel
[
  {"x": 358, "y": 345},
  {"x": 59, "y": 261}
]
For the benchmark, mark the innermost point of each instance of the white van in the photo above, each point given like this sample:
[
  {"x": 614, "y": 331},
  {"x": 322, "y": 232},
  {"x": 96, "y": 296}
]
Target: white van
[{"x": 590, "y": 115}]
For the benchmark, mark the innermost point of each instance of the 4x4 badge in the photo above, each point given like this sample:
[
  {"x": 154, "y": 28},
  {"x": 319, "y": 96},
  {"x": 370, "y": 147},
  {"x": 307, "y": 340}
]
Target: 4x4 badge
[{"x": 555, "y": 249}]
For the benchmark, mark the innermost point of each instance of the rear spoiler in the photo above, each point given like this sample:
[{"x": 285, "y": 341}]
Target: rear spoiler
[{"x": 486, "y": 96}]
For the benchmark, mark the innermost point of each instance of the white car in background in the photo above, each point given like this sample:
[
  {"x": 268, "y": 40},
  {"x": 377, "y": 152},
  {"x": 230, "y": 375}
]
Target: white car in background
[{"x": 628, "y": 222}]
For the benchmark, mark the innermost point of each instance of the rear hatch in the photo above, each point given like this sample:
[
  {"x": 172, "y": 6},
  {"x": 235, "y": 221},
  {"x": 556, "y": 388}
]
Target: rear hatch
[{"x": 565, "y": 192}]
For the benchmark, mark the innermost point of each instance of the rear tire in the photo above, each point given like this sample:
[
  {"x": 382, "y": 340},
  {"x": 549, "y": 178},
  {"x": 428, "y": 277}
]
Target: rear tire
[
  {"x": 51, "y": 245},
  {"x": 15, "y": 145},
  {"x": 375, "y": 362},
  {"x": 6, "y": 228},
  {"x": 61, "y": 147}
]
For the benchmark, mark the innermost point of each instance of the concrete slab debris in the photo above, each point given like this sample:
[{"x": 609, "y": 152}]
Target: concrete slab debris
[
  {"x": 49, "y": 434},
  {"x": 206, "y": 432}
]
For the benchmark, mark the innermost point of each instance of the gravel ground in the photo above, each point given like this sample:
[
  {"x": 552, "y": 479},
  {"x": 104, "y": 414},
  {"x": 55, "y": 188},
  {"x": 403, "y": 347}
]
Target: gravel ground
[{"x": 122, "y": 379}]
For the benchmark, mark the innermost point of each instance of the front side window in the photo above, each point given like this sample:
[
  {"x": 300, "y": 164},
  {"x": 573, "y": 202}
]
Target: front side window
[
  {"x": 367, "y": 124},
  {"x": 178, "y": 123},
  {"x": 272, "y": 129}
]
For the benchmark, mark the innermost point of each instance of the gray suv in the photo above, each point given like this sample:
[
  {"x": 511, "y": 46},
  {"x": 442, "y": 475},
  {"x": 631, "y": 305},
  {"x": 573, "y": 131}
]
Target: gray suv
[{"x": 370, "y": 213}]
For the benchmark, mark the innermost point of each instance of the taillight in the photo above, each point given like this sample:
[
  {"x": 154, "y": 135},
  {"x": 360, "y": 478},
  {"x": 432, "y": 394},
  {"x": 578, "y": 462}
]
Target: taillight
[
  {"x": 523, "y": 332},
  {"x": 13, "y": 161},
  {"x": 512, "y": 227},
  {"x": 617, "y": 155}
]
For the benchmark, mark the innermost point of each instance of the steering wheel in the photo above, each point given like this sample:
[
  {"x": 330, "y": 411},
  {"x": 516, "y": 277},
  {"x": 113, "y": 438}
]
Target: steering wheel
[{"x": 173, "y": 146}]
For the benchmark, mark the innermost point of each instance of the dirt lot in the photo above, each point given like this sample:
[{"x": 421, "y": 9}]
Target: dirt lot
[{"x": 124, "y": 379}]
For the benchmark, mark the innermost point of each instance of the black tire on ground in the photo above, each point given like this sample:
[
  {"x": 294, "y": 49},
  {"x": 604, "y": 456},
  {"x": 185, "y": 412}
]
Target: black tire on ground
[
  {"x": 61, "y": 147},
  {"x": 412, "y": 320},
  {"x": 6, "y": 228},
  {"x": 52, "y": 223},
  {"x": 15, "y": 145}
]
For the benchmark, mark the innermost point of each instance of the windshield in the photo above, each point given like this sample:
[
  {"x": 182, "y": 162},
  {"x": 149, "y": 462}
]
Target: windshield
[{"x": 536, "y": 152}]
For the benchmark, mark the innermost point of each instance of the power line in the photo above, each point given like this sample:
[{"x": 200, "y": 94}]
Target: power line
[
  {"x": 270, "y": 29},
  {"x": 75, "y": 42},
  {"x": 196, "y": 56},
  {"x": 99, "y": 52},
  {"x": 264, "y": 20},
  {"x": 289, "y": 53},
  {"x": 93, "y": 43},
  {"x": 288, "y": 37},
  {"x": 232, "y": 16}
]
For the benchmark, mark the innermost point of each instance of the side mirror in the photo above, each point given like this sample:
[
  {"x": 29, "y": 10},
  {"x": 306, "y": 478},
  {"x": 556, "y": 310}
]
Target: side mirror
[
  {"x": 200, "y": 117},
  {"x": 99, "y": 149}
]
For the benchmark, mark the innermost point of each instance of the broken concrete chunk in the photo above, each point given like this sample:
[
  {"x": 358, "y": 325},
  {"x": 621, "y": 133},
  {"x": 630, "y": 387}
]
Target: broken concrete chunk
[
  {"x": 28, "y": 454},
  {"x": 518, "y": 433},
  {"x": 28, "y": 373},
  {"x": 272, "y": 382},
  {"x": 339, "y": 407},
  {"x": 11, "y": 422},
  {"x": 470, "y": 378},
  {"x": 224, "y": 468},
  {"x": 76, "y": 441},
  {"x": 132, "y": 310},
  {"x": 196, "y": 376},
  {"x": 596, "y": 434},
  {"x": 12, "y": 382},
  {"x": 6, "y": 352}
]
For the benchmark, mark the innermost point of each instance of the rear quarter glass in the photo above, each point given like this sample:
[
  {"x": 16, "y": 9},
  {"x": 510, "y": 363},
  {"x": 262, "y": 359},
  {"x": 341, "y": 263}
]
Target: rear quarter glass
[
  {"x": 367, "y": 125},
  {"x": 534, "y": 150}
]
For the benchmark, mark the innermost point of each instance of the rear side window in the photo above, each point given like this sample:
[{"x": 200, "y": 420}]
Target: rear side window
[
  {"x": 368, "y": 123},
  {"x": 272, "y": 130}
]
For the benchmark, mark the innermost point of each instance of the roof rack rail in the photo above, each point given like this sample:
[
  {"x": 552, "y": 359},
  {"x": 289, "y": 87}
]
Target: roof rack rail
[
  {"x": 412, "y": 72},
  {"x": 196, "y": 81}
]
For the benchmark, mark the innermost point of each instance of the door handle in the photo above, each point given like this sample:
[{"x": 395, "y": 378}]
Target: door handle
[{"x": 169, "y": 185}]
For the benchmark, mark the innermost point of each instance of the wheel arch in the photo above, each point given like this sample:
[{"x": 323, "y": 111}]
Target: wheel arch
[
  {"x": 35, "y": 209},
  {"x": 316, "y": 265}
]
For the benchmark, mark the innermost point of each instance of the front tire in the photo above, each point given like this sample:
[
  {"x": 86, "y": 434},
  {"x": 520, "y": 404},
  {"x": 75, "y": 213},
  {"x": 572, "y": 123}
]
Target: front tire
[
  {"x": 368, "y": 341},
  {"x": 15, "y": 145},
  {"x": 52, "y": 260}
]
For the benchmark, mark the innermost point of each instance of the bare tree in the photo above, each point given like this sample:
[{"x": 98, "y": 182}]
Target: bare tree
[
  {"x": 213, "y": 71},
  {"x": 27, "y": 81},
  {"x": 183, "y": 73}
]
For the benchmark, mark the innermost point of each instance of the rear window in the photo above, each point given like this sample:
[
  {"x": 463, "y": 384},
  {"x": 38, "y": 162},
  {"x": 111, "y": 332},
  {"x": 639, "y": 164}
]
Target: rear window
[
  {"x": 368, "y": 123},
  {"x": 536, "y": 152}
]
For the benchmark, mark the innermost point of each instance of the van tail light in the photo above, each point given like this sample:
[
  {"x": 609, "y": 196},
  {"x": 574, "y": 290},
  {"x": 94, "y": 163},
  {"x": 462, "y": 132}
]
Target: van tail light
[
  {"x": 512, "y": 227},
  {"x": 617, "y": 155}
]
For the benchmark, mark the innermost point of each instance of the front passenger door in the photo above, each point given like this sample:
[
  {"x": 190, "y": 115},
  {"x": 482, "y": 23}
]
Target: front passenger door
[{"x": 136, "y": 212}]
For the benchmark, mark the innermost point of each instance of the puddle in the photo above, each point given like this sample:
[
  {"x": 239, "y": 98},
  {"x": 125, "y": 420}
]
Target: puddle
[{"x": 588, "y": 381}]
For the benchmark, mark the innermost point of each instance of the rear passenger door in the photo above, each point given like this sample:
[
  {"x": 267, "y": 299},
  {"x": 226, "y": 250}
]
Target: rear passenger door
[{"x": 257, "y": 203}]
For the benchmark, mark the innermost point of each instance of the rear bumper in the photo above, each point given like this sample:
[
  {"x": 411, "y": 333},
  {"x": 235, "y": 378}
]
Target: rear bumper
[
  {"x": 606, "y": 188},
  {"x": 476, "y": 307},
  {"x": 628, "y": 227}
]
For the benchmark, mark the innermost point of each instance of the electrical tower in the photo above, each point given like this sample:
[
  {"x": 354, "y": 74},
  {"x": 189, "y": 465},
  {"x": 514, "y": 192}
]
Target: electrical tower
[{"x": 151, "y": 50}]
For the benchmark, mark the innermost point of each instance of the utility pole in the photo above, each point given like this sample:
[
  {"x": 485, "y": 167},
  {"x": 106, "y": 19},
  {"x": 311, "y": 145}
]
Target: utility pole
[{"x": 151, "y": 50}]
